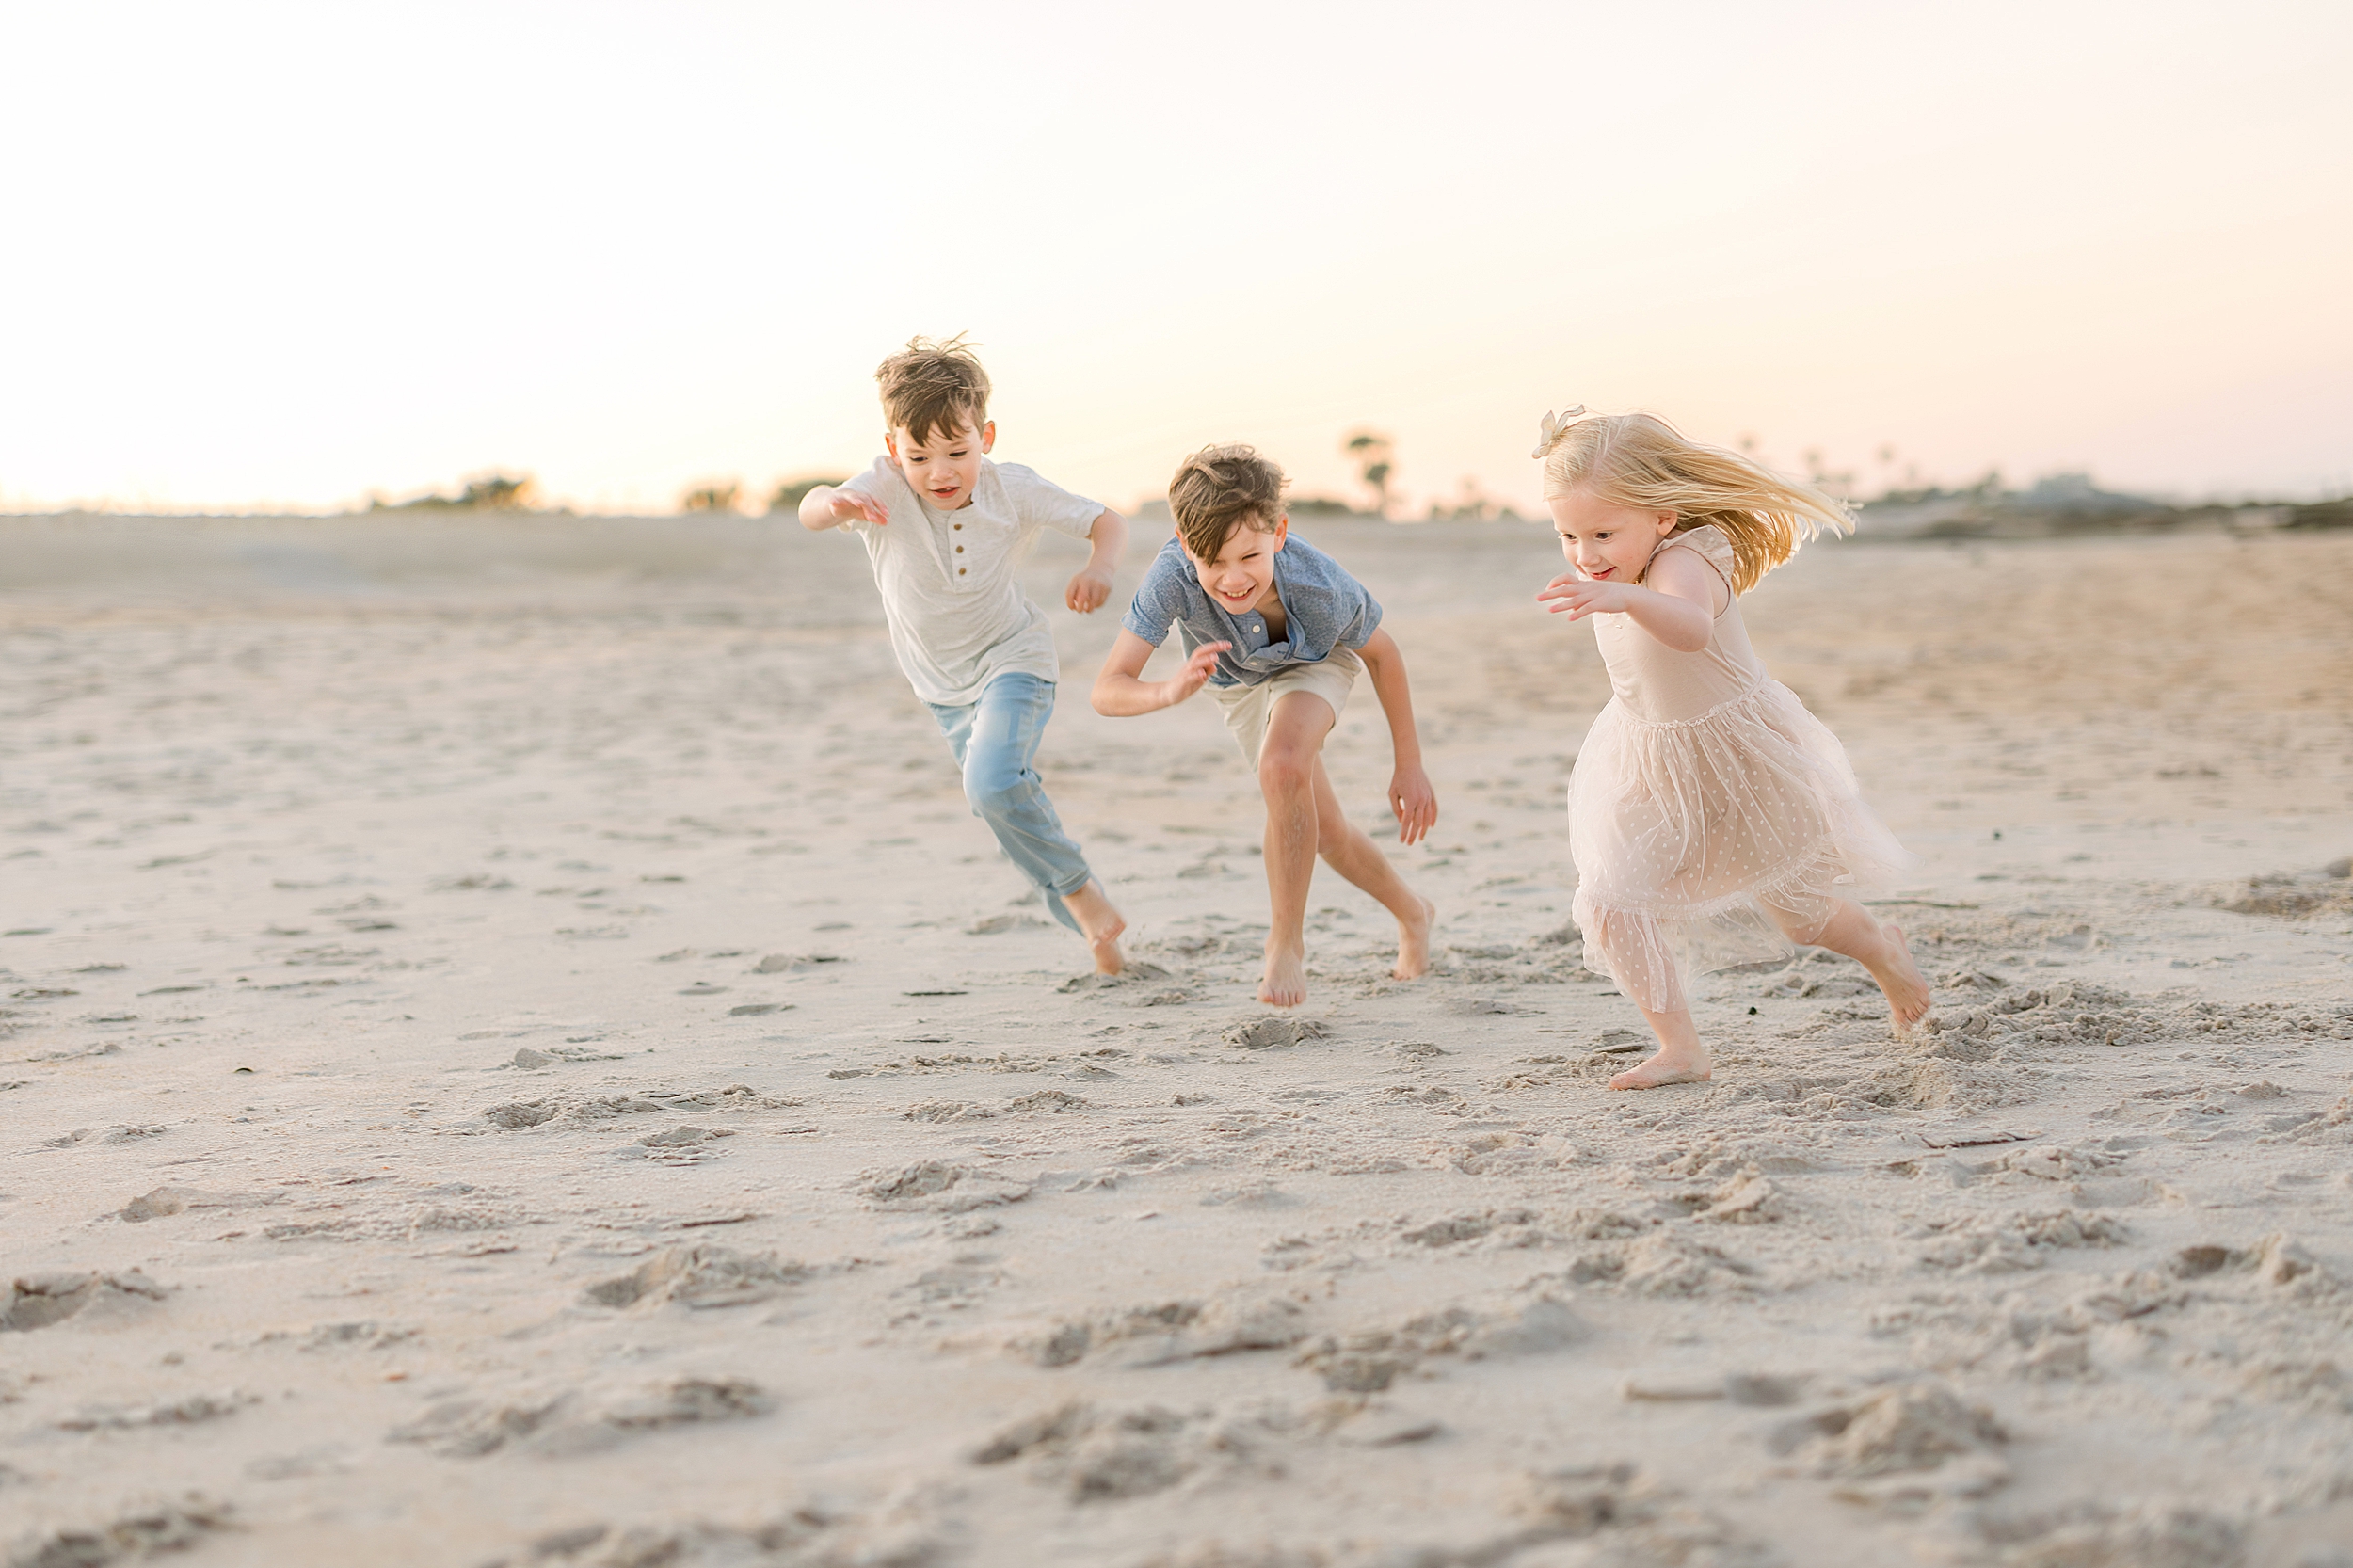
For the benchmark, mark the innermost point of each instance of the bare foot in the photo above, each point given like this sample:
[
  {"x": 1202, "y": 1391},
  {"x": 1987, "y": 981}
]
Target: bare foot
[
  {"x": 1099, "y": 923},
  {"x": 1899, "y": 978},
  {"x": 1285, "y": 982},
  {"x": 1413, "y": 944},
  {"x": 1668, "y": 1066}
]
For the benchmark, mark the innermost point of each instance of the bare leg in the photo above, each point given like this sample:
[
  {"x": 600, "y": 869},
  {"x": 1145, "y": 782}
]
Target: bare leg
[
  {"x": 1349, "y": 851},
  {"x": 1881, "y": 949},
  {"x": 1680, "y": 1057},
  {"x": 1099, "y": 923},
  {"x": 1287, "y": 775},
  {"x": 1631, "y": 952}
]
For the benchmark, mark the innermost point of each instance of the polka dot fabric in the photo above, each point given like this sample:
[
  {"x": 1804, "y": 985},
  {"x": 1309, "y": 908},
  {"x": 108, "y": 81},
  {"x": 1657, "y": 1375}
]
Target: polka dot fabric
[{"x": 1712, "y": 819}]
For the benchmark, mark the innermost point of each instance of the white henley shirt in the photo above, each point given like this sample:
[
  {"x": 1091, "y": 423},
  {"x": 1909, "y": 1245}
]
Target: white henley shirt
[{"x": 958, "y": 619}]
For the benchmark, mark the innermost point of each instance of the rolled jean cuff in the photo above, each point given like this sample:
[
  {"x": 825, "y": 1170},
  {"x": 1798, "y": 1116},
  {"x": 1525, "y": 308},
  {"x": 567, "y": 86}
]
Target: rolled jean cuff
[{"x": 993, "y": 741}]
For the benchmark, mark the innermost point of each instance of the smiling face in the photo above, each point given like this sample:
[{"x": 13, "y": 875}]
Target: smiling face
[
  {"x": 1242, "y": 577},
  {"x": 943, "y": 468},
  {"x": 1605, "y": 542}
]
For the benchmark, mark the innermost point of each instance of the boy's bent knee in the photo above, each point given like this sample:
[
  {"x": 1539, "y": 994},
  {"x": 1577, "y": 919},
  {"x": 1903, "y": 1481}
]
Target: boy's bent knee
[
  {"x": 1285, "y": 769},
  {"x": 995, "y": 792}
]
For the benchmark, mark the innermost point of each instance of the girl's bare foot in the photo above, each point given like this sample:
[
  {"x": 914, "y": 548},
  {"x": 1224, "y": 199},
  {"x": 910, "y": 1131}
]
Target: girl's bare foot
[
  {"x": 1413, "y": 943},
  {"x": 1285, "y": 982},
  {"x": 1099, "y": 923},
  {"x": 1899, "y": 978},
  {"x": 1668, "y": 1066},
  {"x": 1680, "y": 1058}
]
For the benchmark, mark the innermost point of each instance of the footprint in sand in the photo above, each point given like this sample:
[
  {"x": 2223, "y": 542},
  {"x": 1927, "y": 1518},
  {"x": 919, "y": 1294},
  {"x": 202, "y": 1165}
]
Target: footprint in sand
[
  {"x": 154, "y": 1527},
  {"x": 42, "y": 1300},
  {"x": 188, "y": 1411},
  {"x": 1272, "y": 1032},
  {"x": 792, "y": 963},
  {"x": 700, "y": 1277},
  {"x": 570, "y": 1423}
]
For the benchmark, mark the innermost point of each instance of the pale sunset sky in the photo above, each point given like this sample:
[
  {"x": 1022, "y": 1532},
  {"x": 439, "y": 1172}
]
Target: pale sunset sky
[{"x": 281, "y": 256}]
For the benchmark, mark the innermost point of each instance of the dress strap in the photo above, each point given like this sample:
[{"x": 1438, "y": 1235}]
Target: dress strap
[{"x": 1708, "y": 543}]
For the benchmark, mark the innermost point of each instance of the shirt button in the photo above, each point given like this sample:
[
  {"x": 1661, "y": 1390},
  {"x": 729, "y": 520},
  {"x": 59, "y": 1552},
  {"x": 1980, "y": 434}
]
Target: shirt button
[
  {"x": 959, "y": 572},
  {"x": 959, "y": 549},
  {"x": 959, "y": 528}
]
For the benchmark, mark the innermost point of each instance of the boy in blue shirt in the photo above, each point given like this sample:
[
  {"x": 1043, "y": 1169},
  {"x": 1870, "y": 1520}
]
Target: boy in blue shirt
[{"x": 1277, "y": 631}]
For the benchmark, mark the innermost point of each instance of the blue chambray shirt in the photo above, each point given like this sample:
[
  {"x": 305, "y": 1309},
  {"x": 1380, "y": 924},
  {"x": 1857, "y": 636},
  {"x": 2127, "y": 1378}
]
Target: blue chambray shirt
[{"x": 1324, "y": 608}]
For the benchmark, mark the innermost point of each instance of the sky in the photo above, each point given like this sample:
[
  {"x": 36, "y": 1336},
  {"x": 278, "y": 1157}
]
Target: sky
[{"x": 284, "y": 257}]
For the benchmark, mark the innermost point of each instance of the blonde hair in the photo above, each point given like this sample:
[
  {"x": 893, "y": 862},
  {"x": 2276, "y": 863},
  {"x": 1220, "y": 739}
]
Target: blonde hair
[
  {"x": 929, "y": 387},
  {"x": 1220, "y": 488},
  {"x": 1641, "y": 461}
]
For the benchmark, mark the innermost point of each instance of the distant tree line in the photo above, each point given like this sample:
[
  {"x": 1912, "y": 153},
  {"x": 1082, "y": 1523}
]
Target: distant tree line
[
  {"x": 505, "y": 492},
  {"x": 1373, "y": 454},
  {"x": 488, "y": 492}
]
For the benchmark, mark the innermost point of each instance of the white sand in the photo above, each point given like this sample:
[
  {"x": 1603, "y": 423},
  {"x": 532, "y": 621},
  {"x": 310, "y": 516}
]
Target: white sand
[{"x": 835, "y": 1221}]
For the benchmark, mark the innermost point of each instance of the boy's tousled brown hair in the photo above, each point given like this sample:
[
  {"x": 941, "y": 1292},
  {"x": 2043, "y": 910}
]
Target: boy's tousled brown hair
[
  {"x": 1220, "y": 488},
  {"x": 934, "y": 387}
]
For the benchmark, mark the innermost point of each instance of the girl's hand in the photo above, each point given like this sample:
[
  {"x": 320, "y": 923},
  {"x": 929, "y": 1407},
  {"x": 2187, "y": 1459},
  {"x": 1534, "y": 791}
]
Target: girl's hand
[
  {"x": 1195, "y": 673},
  {"x": 850, "y": 503},
  {"x": 1415, "y": 801},
  {"x": 1581, "y": 596}
]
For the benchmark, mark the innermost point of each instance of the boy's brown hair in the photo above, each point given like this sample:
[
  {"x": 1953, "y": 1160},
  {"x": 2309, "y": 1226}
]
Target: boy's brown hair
[
  {"x": 1220, "y": 488},
  {"x": 930, "y": 388}
]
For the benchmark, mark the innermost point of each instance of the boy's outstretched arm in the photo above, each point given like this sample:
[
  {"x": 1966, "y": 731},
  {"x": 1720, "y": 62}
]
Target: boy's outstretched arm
[
  {"x": 1410, "y": 795},
  {"x": 1106, "y": 538},
  {"x": 1120, "y": 693},
  {"x": 830, "y": 507}
]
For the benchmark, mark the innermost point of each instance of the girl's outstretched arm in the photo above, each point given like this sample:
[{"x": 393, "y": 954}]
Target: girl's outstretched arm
[
  {"x": 1678, "y": 606},
  {"x": 1119, "y": 693},
  {"x": 1411, "y": 799}
]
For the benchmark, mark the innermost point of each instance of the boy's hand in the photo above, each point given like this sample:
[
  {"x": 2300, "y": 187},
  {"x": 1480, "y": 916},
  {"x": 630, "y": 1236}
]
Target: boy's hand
[
  {"x": 1415, "y": 801},
  {"x": 1581, "y": 596},
  {"x": 1195, "y": 673},
  {"x": 1088, "y": 590},
  {"x": 851, "y": 504}
]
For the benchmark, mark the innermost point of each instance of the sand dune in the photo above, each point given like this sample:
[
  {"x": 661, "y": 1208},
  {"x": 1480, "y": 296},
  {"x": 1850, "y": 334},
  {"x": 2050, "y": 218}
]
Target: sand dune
[{"x": 515, "y": 1051}]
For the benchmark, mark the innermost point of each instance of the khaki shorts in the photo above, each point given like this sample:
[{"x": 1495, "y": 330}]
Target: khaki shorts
[{"x": 1248, "y": 708}]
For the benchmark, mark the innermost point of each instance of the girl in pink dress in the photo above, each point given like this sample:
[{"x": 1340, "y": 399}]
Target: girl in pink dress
[{"x": 1712, "y": 819}]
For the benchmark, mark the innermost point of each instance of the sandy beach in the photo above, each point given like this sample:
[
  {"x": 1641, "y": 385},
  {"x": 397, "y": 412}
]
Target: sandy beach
[{"x": 515, "y": 1051}]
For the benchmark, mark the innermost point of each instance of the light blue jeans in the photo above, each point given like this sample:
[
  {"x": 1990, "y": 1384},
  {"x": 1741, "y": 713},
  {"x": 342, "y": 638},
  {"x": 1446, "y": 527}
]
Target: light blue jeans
[{"x": 993, "y": 741}]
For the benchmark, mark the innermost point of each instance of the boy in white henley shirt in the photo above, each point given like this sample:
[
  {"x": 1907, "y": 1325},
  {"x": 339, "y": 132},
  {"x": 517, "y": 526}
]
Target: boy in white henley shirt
[{"x": 942, "y": 527}]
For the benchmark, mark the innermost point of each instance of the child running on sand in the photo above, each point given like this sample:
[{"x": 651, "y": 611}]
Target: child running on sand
[
  {"x": 1712, "y": 819},
  {"x": 1277, "y": 631},
  {"x": 943, "y": 527}
]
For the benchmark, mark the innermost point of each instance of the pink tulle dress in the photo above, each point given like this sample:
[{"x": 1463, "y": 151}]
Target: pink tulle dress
[{"x": 1712, "y": 819}]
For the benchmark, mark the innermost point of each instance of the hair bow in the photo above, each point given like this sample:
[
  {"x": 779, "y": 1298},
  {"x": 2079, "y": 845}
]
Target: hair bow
[{"x": 1555, "y": 427}]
